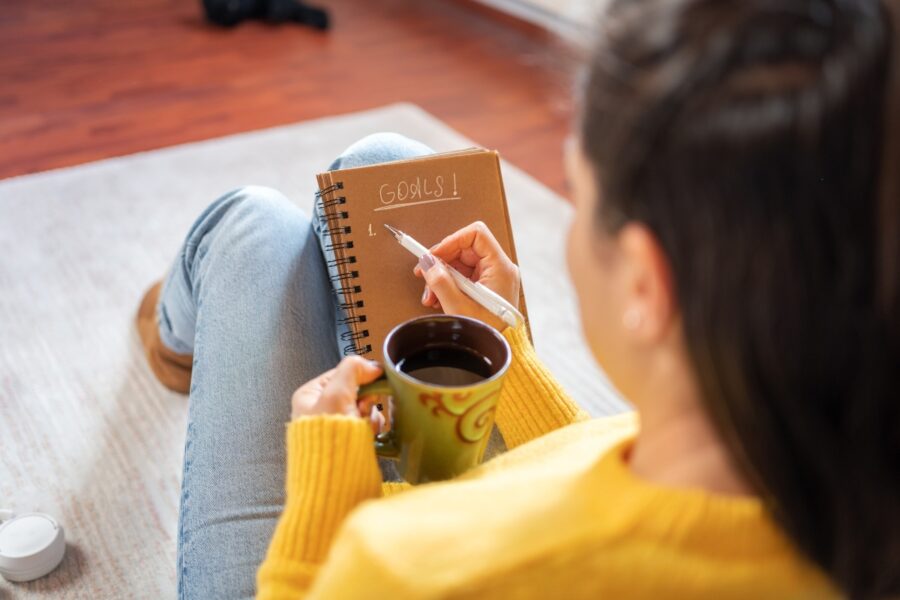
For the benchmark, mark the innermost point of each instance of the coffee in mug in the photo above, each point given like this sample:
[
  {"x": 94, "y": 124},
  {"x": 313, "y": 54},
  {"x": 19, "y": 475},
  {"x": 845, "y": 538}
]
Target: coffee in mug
[{"x": 444, "y": 374}]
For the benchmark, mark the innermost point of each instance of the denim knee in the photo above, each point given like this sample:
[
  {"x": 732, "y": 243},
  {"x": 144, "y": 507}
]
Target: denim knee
[
  {"x": 378, "y": 148},
  {"x": 255, "y": 225},
  {"x": 263, "y": 209}
]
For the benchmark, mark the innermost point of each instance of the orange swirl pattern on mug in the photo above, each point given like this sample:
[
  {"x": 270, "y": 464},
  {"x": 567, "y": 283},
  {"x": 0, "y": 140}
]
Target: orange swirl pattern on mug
[{"x": 473, "y": 412}]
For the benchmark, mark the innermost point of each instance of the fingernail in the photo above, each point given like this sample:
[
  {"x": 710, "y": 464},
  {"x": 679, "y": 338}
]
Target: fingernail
[
  {"x": 425, "y": 294},
  {"x": 426, "y": 262}
]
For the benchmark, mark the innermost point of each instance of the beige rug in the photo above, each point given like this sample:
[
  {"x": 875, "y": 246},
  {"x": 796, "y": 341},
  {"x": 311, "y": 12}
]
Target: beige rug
[{"x": 86, "y": 433}]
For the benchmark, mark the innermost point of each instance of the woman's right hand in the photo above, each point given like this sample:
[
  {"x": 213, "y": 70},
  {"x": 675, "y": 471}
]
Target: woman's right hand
[{"x": 476, "y": 253}]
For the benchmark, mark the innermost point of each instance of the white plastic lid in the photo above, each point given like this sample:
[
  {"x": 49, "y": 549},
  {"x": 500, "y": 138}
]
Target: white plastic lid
[{"x": 31, "y": 545}]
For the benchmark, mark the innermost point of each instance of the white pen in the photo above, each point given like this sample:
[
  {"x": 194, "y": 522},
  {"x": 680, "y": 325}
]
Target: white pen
[{"x": 489, "y": 299}]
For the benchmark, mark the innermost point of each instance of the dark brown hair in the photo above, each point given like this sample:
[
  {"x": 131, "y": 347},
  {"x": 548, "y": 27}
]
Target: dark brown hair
[{"x": 754, "y": 138}]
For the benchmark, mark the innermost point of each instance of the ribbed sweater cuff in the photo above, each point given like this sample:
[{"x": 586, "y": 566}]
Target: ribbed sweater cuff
[
  {"x": 532, "y": 402},
  {"x": 331, "y": 468}
]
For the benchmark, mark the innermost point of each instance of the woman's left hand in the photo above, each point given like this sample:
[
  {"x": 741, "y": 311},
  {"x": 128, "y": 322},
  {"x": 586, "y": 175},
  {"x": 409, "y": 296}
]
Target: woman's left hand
[{"x": 335, "y": 392}]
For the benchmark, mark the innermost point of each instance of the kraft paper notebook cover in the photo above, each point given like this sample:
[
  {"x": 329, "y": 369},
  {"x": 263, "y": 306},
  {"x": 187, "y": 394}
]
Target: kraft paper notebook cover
[{"x": 427, "y": 197}]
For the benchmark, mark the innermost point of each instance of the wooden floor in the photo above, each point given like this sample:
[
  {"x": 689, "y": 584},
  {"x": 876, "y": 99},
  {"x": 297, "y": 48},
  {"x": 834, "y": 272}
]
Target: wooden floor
[{"x": 92, "y": 79}]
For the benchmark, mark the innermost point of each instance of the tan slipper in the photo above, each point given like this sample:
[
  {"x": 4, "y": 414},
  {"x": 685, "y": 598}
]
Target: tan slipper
[{"x": 172, "y": 369}]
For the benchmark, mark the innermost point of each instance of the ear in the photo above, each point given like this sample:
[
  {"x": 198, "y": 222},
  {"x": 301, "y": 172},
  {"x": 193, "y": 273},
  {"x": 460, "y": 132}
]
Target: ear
[{"x": 650, "y": 305}]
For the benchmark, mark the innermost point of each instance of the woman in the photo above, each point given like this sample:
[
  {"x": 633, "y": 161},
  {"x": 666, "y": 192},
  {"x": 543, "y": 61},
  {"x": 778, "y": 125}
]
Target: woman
[{"x": 735, "y": 257}]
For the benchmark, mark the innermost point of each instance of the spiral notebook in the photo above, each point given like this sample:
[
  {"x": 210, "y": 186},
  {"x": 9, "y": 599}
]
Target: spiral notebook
[{"x": 428, "y": 198}]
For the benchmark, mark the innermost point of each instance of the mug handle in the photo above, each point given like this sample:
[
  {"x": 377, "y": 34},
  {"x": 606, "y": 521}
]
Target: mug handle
[{"x": 385, "y": 443}]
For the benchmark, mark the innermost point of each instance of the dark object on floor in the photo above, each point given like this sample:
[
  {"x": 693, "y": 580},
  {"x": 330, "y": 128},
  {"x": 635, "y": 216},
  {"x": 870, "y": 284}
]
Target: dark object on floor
[{"x": 231, "y": 12}]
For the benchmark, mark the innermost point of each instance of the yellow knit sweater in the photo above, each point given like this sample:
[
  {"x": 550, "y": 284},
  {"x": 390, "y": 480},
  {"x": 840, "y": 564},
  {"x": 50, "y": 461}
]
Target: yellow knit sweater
[{"x": 558, "y": 516}]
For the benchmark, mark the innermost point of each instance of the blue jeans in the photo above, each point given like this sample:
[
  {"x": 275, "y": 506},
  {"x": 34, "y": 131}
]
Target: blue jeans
[{"x": 250, "y": 297}]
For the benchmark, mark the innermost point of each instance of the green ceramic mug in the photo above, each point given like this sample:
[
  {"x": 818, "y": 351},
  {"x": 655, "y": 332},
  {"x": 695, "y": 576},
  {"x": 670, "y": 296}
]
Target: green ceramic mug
[{"x": 444, "y": 374}]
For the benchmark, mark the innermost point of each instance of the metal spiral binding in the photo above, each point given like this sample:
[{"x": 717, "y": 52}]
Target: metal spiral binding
[
  {"x": 351, "y": 305},
  {"x": 354, "y": 336},
  {"x": 344, "y": 287},
  {"x": 345, "y": 276},
  {"x": 347, "y": 289},
  {"x": 339, "y": 246},
  {"x": 344, "y": 260},
  {"x": 352, "y": 319},
  {"x": 354, "y": 349},
  {"x": 331, "y": 230}
]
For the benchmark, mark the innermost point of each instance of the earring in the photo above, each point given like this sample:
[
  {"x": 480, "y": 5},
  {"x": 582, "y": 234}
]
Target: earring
[{"x": 632, "y": 319}]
